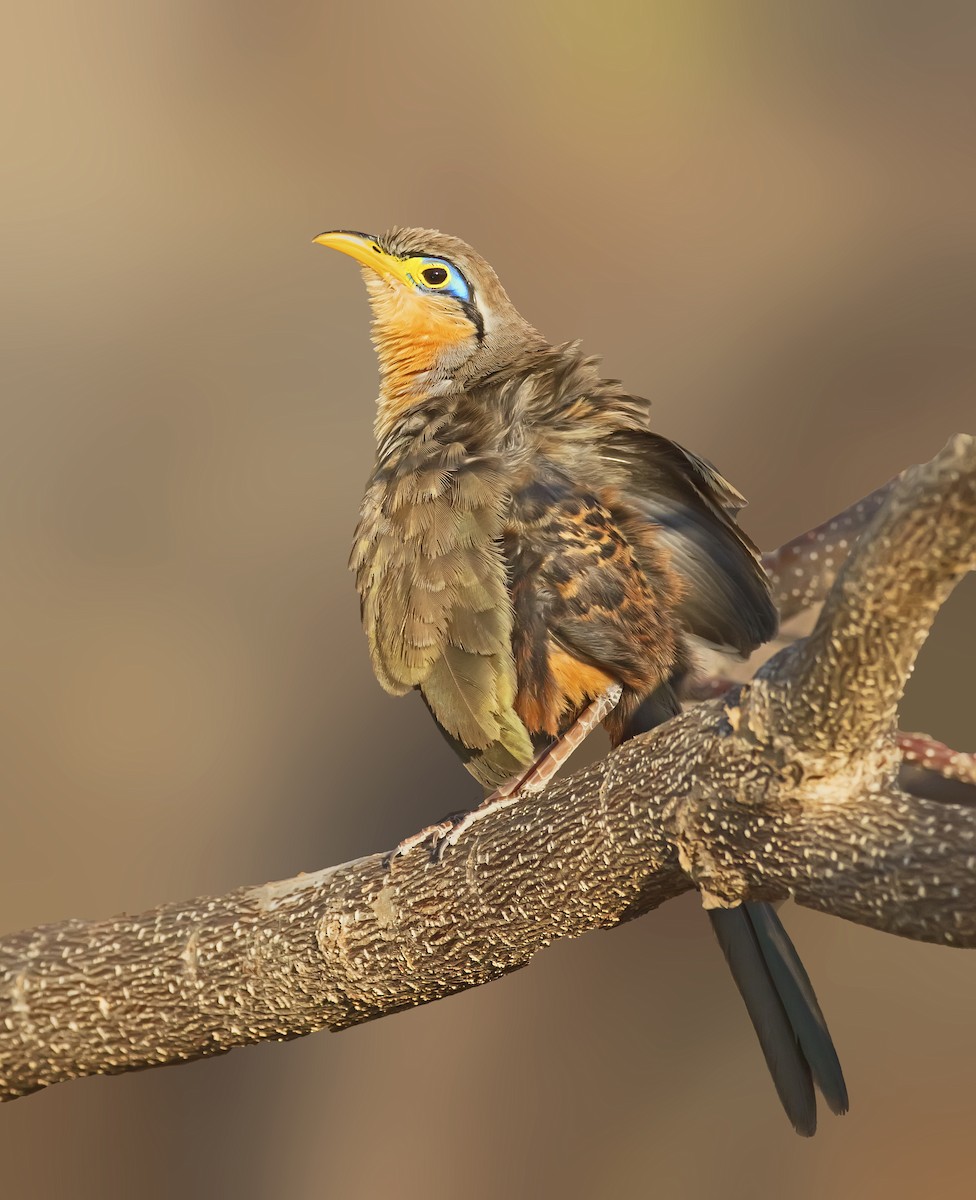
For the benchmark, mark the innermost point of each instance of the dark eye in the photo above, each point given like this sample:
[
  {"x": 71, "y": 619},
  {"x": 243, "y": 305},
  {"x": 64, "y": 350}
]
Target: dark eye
[{"x": 434, "y": 276}]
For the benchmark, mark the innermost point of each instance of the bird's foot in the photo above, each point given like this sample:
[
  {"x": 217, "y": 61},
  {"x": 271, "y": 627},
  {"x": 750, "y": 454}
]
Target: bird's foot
[
  {"x": 446, "y": 833},
  {"x": 502, "y": 798},
  {"x": 449, "y": 831},
  {"x": 538, "y": 774},
  {"x": 425, "y": 835}
]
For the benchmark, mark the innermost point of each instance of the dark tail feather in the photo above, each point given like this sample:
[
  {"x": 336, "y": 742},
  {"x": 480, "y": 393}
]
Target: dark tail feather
[
  {"x": 784, "y": 1056},
  {"x": 771, "y": 979},
  {"x": 796, "y": 992}
]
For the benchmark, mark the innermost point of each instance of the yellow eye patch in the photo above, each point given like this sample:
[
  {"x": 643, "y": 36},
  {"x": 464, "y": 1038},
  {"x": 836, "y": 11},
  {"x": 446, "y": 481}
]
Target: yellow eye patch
[{"x": 436, "y": 275}]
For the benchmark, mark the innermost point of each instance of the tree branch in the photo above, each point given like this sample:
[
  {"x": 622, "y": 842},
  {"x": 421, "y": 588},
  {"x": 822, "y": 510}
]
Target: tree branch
[
  {"x": 802, "y": 571},
  {"x": 852, "y": 670},
  {"x": 746, "y": 795}
]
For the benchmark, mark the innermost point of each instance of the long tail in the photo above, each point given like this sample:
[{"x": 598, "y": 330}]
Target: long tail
[
  {"x": 784, "y": 1011},
  {"x": 771, "y": 979}
]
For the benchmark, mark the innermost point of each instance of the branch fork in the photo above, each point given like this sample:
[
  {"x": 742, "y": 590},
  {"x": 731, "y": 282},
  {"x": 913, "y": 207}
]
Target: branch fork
[{"x": 796, "y": 783}]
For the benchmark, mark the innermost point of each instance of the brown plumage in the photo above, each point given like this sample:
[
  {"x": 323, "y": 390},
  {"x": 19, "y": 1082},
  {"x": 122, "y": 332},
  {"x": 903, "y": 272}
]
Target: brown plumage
[
  {"x": 511, "y": 557},
  {"x": 527, "y": 541}
]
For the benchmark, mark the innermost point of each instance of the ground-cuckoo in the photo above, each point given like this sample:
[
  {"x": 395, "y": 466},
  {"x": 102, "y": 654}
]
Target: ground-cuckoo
[{"x": 534, "y": 559}]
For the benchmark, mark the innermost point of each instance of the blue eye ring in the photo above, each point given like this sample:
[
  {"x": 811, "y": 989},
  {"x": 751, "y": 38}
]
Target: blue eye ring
[{"x": 438, "y": 275}]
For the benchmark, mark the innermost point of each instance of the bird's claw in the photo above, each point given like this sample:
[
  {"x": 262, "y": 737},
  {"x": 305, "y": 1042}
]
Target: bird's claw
[
  {"x": 435, "y": 833},
  {"x": 449, "y": 836},
  {"x": 448, "y": 832},
  {"x": 462, "y": 822}
]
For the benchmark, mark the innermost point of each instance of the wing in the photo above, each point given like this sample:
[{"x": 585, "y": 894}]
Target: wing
[
  {"x": 591, "y": 607},
  {"x": 727, "y": 600},
  {"x": 435, "y": 604}
]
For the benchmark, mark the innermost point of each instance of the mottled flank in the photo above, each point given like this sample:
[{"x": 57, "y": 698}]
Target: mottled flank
[{"x": 590, "y": 605}]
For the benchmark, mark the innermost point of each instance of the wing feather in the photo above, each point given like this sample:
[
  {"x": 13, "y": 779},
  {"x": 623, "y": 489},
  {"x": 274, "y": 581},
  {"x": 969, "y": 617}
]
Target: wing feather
[
  {"x": 436, "y": 607},
  {"x": 727, "y": 600}
]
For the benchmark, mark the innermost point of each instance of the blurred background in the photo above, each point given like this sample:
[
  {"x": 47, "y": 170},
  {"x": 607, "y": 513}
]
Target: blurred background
[{"x": 764, "y": 217}]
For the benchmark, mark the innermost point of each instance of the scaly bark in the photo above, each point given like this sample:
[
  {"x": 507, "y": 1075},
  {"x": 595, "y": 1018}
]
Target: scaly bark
[{"x": 785, "y": 786}]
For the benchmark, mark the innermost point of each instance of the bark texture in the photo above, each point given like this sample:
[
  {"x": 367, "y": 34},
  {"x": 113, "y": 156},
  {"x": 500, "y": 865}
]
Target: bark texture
[{"x": 796, "y": 783}]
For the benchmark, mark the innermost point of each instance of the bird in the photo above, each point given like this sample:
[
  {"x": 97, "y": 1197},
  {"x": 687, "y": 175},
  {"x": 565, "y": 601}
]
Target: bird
[{"x": 535, "y": 559}]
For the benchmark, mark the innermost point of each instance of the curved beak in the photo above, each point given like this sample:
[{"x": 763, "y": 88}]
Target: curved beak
[{"x": 365, "y": 250}]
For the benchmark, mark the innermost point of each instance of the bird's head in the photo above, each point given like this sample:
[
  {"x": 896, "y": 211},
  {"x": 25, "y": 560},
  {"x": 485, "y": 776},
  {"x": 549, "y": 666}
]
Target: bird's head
[{"x": 441, "y": 319}]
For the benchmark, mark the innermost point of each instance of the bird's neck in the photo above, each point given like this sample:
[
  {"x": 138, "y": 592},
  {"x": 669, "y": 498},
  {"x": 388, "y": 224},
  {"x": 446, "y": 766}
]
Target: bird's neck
[
  {"x": 509, "y": 403},
  {"x": 418, "y": 348},
  {"x": 403, "y": 392},
  {"x": 427, "y": 352}
]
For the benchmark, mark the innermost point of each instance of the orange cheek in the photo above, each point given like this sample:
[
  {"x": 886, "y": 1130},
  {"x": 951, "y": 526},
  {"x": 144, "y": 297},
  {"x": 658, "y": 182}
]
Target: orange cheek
[{"x": 411, "y": 333}]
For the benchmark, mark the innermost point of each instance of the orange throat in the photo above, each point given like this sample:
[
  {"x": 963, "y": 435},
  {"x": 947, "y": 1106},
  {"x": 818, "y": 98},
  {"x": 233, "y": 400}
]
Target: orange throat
[{"x": 418, "y": 340}]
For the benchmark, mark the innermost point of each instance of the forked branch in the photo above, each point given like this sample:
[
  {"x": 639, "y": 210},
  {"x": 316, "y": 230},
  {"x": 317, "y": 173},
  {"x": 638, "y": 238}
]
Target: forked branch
[{"x": 794, "y": 784}]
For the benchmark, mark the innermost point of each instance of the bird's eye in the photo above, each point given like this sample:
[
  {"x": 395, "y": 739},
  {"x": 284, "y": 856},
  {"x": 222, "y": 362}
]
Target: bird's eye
[{"x": 434, "y": 276}]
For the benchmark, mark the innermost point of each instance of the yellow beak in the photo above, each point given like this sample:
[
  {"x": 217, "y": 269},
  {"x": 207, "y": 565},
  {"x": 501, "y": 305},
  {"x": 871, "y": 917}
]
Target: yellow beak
[{"x": 366, "y": 250}]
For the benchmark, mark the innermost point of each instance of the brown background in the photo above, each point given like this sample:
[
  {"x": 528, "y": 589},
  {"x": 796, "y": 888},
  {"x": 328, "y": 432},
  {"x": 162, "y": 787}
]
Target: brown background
[{"x": 764, "y": 218}]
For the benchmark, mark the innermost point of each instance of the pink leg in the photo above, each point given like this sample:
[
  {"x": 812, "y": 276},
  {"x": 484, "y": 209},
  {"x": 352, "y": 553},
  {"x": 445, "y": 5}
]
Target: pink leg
[{"x": 532, "y": 780}]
